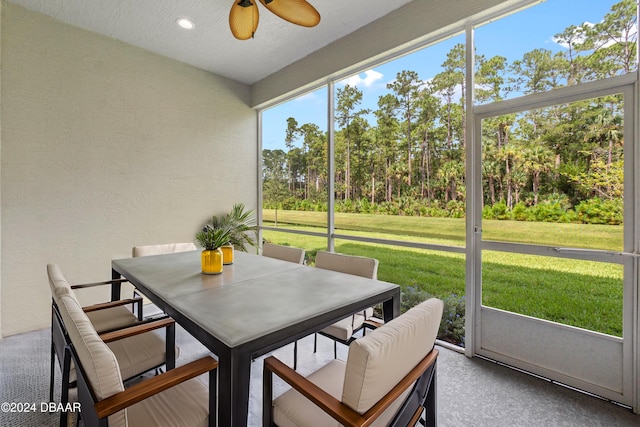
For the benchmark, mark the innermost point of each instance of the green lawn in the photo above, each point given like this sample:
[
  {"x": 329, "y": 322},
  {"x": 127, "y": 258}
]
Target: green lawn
[
  {"x": 578, "y": 293},
  {"x": 451, "y": 231}
]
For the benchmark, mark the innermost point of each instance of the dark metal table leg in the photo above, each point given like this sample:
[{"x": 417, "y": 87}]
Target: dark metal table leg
[
  {"x": 391, "y": 307},
  {"x": 234, "y": 374}
]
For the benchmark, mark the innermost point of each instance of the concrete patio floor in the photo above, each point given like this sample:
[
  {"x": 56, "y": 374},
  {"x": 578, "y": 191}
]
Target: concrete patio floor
[{"x": 471, "y": 392}]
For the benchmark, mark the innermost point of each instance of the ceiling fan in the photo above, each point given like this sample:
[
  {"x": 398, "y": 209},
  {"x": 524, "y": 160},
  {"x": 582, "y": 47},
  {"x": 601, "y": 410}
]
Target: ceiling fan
[{"x": 244, "y": 15}]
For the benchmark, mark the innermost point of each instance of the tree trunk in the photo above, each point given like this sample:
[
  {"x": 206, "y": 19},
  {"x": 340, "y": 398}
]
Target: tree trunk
[
  {"x": 373, "y": 187},
  {"x": 492, "y": 190}
]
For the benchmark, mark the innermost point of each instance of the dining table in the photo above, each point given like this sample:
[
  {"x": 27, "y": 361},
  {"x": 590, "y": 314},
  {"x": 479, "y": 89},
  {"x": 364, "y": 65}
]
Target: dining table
[{"x": 256, "y": 305}]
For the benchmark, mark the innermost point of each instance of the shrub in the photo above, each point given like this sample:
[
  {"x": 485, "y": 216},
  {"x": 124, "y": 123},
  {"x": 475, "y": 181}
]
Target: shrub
[
  {"x": 500, "y": 211},
  {"x": 520, "y": 212},
  {"x": 389, "y": 208},
  {"x": 453, "y": 315},
  {"x": 487, "y": 212},
  {"x": 598, "y": 211},
  {"x": 453, "y": 319},
  {"x": 456, "y": 209},
  {"x": 551, "y": 211},
  {"x": 365, "y": 206},
  {"x": 412, "y": 296}
]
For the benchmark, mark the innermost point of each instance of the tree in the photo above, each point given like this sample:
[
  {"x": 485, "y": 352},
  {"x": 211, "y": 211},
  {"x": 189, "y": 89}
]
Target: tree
[
  {"x": 491, "y": 170},
  {"x": 511, "y": 156},
  {"x": 415, "y": 149},
  {"x": 450, "y": 173},
  {"x": 312, "y": 142},
  {"x": 537, "y": 159},
  {"x": 347, "y": 101},
  {"x": 291, "y": 135},
  {"x": 538, "y": 71},
  {"x": 274, "y": 178},
  {"x": 573, "y": 39},
  {"x": 405, "y": 88},
  {"x": 449, "y": 83},
  {"x": 614, "y": 39},
  {"x": 429, "y": 106},
  {"x": 491, "y": 79},
  {"x": 387, "y": 136}
]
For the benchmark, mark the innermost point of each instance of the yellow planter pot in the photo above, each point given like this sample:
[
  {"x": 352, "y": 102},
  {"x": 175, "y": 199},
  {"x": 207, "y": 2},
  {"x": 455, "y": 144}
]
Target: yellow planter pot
[
  {"x": 212, "y": 261},
  {"x": 227, "y": 254}
]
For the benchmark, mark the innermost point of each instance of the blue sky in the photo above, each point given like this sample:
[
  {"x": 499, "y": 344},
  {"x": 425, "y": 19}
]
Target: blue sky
[{"x": 511, "y": 37}]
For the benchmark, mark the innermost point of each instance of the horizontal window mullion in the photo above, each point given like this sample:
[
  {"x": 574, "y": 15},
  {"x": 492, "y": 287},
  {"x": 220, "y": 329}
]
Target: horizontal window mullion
[
  {"x": 563, "y": 95},
  {"x": 557, "y": 252}
]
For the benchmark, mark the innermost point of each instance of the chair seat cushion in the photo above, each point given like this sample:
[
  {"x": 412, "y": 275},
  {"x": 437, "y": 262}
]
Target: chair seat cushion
[
  {"x": 140, "y": 353},
  {"x": 149, "y": 353},
  {"x": 293, "y": 409},
  {"x": 184, "y": 405},
  {"x": 112, "y": 318},
  {"x": 344, "y": 329}
]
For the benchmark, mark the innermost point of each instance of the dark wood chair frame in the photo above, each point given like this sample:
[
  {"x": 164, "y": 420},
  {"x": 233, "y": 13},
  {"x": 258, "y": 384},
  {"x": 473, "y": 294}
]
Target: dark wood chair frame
[
  {"x": 60, "y": 340},
  {"x": 421, "y": 398},
  {"x": 95, "y": 412}
]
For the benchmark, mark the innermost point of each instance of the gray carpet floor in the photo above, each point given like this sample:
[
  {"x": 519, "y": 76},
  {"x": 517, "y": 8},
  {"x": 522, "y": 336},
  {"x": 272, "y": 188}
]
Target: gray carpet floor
[{"x": 471, "y": 392}]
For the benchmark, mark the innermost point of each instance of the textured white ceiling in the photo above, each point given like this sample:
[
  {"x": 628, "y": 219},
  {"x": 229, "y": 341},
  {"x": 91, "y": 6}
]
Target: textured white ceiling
[{"x": 151, "y": 24}]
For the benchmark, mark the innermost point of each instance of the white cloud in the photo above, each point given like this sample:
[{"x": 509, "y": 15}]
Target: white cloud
[{"x": 370, "y": 77}]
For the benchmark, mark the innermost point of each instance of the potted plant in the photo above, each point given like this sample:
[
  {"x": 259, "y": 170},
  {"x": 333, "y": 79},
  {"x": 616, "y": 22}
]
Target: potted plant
[
  {"x": 243, "y": 230},
  {"x": 211, "y": 239}
]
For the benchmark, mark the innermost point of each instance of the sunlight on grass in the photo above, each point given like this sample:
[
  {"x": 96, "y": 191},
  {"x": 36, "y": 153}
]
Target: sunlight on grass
[
  {"x": 578, "y": 293},
  {"x": 584, "y": 294}
]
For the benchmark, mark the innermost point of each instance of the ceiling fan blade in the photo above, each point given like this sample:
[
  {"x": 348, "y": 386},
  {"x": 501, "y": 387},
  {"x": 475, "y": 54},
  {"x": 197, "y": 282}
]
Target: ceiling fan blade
[
  {"x": 298, "y": 12},
  {"x": 243, "y": 19}
]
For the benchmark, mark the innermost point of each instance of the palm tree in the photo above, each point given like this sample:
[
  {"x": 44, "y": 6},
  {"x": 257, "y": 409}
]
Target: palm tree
[
  {"x": 511, "y": 156},
  {"x": 450, "y": 174},
  {"x": 537, "y": 159}
]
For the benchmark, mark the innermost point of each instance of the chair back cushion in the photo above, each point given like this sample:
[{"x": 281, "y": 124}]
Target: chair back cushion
[
  {"x": 167, "y": 248},
  {"x": 350, "y": 264},
  {"x": 58, "y": 283},
  {"x": 285, "y": 253},
  {"x": 98, "y": 361},
  {"x": 378, "y": 361}
]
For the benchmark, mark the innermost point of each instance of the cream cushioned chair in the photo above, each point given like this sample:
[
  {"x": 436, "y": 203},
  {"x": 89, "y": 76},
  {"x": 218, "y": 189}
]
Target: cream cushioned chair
[
  {"x": 104, "y": 317},
  {"x": 167, "y": 248},
  {"x": 285, "y": 253},
  {"x": 137, "y": 348},
  {"x": 343, "y": 330},
  {"x": 389, "y": 377},
  {"x": 176, "y": 398}
]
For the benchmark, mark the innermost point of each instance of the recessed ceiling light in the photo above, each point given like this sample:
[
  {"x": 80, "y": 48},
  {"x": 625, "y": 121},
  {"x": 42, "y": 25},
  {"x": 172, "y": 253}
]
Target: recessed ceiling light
[{"x": 185, "y": 23}]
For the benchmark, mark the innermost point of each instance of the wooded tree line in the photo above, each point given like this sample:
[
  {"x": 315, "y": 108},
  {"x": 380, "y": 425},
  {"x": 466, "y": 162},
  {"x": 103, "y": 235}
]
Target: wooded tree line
[{"x": 410, "y": 158}]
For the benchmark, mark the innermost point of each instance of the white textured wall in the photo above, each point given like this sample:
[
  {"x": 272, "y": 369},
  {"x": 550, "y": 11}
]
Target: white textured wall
[{"x": 105, "y": 146}]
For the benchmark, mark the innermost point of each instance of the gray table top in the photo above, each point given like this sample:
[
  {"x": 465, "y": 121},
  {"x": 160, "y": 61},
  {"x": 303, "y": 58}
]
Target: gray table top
[{"x": 252, "y": 297}]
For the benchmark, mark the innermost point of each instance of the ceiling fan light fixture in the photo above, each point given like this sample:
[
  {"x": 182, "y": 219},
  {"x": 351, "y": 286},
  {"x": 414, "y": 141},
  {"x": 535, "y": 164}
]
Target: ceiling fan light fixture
[
  {"x": 298, "y": 12},
  {"x": 244, "y": 15},
  {"x": 243, "y": 19}
]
